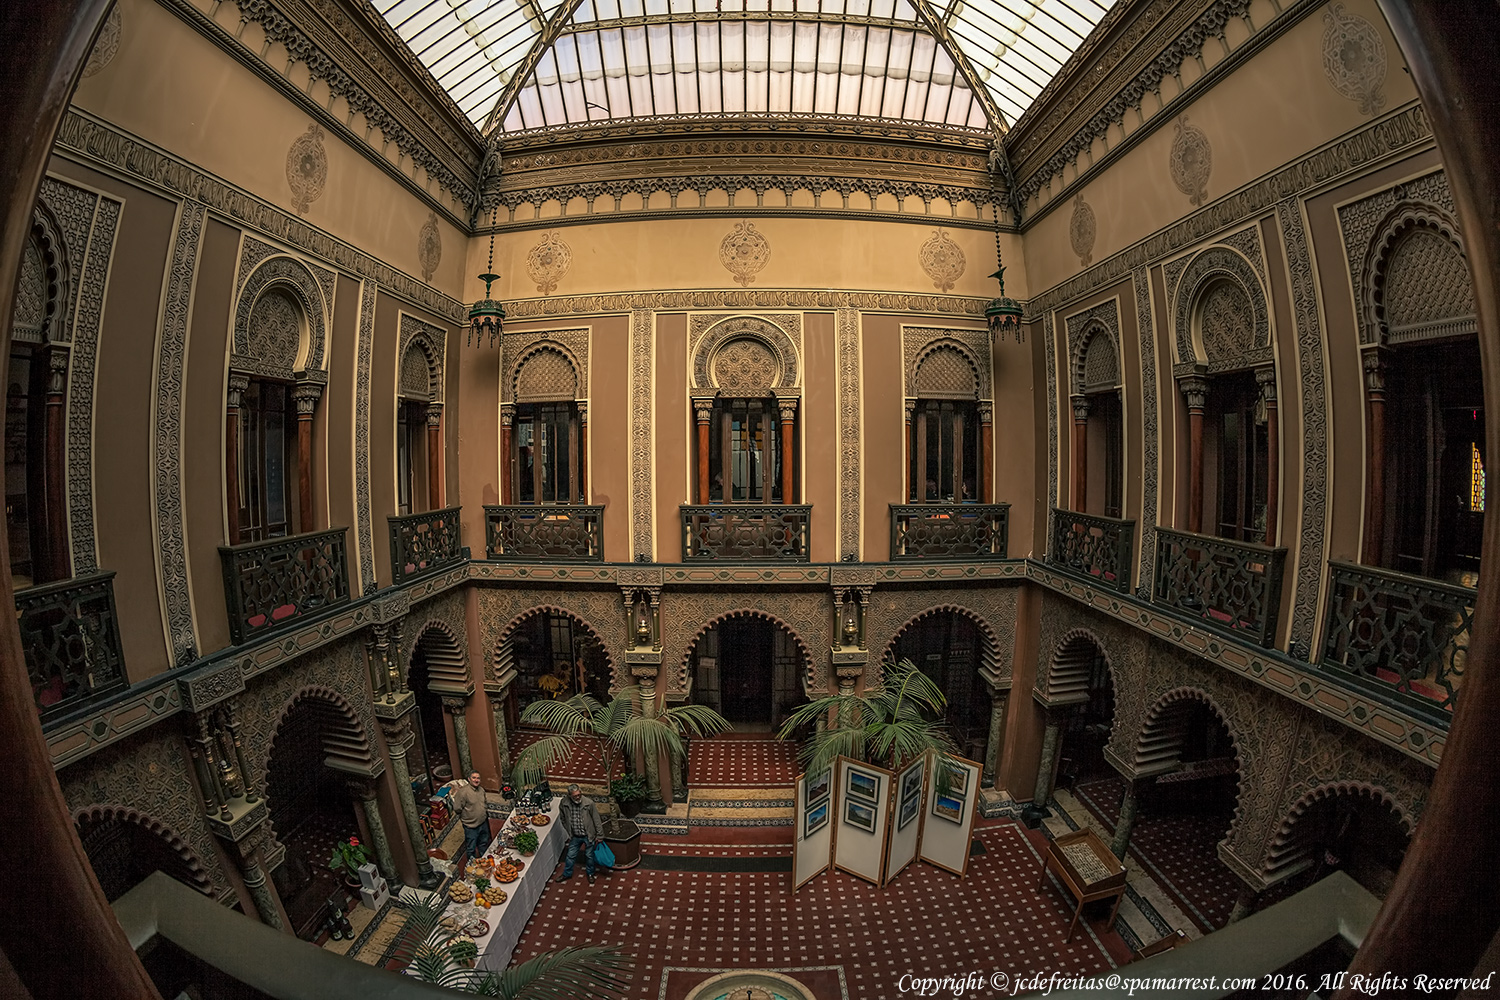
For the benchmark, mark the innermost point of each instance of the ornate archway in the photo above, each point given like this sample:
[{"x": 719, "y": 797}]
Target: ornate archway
[
  {"x": 435, "y": 668},
  {"x": 957, "y": 648},
  {"x": 552, "y": 648},
  {"x": 1353, "y": 826},
  {"x": 748, "y": 665},
  {"x": 125, "y": 845}
]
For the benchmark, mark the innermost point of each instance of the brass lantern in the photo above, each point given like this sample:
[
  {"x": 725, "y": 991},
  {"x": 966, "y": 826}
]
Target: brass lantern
[
  {"x": 487, "y": 315},
  {"x": 1004, "y": 314}
]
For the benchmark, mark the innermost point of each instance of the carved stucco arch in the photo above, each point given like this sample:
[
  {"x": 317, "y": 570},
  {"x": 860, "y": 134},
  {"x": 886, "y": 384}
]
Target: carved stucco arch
[
  {"x": 445, "y": 654},
  {"x": 1289, "y": 847},
  {"x": 341, "y": 732},
  {"x": 1213, "y": 265},
  {"x": 733, "y": 328},
  {"x": 100, "y": 814},
  {"x": 513, "y": 370},
  {"x": 418, "y": 336},
  {"x": 1402, "y": 222},
  {"x": 979, "y": 367},
  {"x": 56, "y": 279},
  {"x": 989, "y": 652},
  {"x": 289, "y": 276},
  {"x": 1068, "y": 673},
  {"x": 1158, "y": 720},
  {"x": 808, "y": 668},
  {"x": 503, "y": 655},
  {"x": 1078, "y": 363}
]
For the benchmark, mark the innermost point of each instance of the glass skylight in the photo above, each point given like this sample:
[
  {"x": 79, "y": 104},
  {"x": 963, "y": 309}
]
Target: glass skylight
[{"x": 527, "y": 64}]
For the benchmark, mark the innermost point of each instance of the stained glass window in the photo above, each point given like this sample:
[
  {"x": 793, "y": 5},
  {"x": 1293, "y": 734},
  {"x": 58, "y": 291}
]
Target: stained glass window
[{"x": 1476, "y": 480}]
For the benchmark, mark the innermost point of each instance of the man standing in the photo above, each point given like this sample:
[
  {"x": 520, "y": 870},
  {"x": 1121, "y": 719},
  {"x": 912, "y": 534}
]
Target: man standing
[
  {"x": 581, "y": 822},
  {"x": 467, "y": 800}
]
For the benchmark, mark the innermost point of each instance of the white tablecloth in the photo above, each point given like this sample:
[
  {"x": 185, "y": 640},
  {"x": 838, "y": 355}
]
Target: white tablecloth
[{"x": 509, "y": 919}]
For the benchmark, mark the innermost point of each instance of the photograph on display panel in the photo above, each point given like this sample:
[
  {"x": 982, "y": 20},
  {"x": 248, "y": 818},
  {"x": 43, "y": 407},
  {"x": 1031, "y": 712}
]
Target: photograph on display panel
[
  {"x": 816, "y": 819},
  {"x": 859, "y": 815},
  {"x": 911, "y": 797},
  {"x": 818, "y": 787},
  {"x": 863, "y": 784},
  {"x": 949, "y": 808},
  {"x": 958, "y": 780}
]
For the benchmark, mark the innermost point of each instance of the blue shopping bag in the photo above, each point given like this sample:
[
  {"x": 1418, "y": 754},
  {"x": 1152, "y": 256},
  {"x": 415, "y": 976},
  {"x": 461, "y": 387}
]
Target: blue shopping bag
[{"x": 603, "y": 855}]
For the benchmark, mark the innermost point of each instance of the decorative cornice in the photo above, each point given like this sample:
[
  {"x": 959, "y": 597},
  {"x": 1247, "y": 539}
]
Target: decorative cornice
[
  {"x": 781, "y": 126},
  {"x": 1398, "y": 132},
  {"x": 372, "y": 96},
  {"x": 744, "y": 211},
  {"x": 743, "y": 298},
  {"x": 97, "y": 143}
]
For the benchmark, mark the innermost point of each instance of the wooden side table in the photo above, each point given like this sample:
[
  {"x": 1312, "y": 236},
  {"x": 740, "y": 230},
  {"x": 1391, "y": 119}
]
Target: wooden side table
[{"x": 1088, "y": 869}]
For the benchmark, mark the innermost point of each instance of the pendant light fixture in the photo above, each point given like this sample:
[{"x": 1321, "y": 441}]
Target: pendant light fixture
[
  {"x": 1003, "y": 314},
  {"x": 487, "y": 315}
]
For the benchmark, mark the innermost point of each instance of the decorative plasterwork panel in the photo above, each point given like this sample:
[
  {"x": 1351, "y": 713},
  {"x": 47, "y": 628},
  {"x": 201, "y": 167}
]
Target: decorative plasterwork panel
[
  {"x": 602, "y": 611},
  {"x": 166, "y": 421},
  {"x": 891, "y": 610},
  {"x": 107, "y": 45},
  {"x": 516, "y": 349},
  {"x": 1082, "y": 229},
  {"x": 808, "y": 616},
  {"x": 1372, "y": 225},
  {"x": 1145, "y": 321},
  {"x": 1085, "y": 330},
  {"x": 95, "y": 142},
  {"x": 1354, "y": 58},
  {"x": 847, "y": 347},
  {"x": 1219, "y": 275},
  {"x": 746, "y": 299},
  {"x": 364, "y": 511},
  {"x": 1305, "y": 311},
  {"x": 780, "y": 333},
  {"x": 1402, "y": 131},
  {"x": 918, "y": 342},
  {"x": 1049, "y": 335},
  {"x": 431, "y": 344},
  {"x": 446, "y": 610},
  {"x": 430, "y": 246},
  {"x": 642, "y": 454},
  {"x": 943, "y": 260},
  {"x": 278, "y": 273},
  {"x": 548, "y": 261},
  {"x": 307, "y": 168}
]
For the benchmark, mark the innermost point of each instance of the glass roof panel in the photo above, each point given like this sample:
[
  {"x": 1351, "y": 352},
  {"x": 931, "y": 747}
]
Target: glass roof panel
[{"x": 525, "y": 64}]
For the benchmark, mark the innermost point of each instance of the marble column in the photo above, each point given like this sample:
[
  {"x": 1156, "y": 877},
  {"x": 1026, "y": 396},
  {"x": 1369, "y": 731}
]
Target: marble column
[
  {"x": 458, "y": 707},
  {"x": 305, "y": 395},
  {"x": 1080, "y": 453},
  {"x": 262, "y": 895},
  {"x": 1051, "y": 737},
  {"x": 398, "y": 737},
  {"x": 237, "y": 385},
  {"x": 999, "y": 702},
  {"x": 1128, "y": 807},
  {"x": 502, "y": 733},
  {"x": 654, "y": 803},
  {"x": 1195, "y": 391},
  {"x": 384, "y": 860}
]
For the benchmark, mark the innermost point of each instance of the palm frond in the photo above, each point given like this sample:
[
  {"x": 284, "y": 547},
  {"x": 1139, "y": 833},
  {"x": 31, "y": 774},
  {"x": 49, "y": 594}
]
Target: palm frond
[
  {"x": 696, "y": 720},
  {"x": 568, "y": 718},
  {"x": 539, "y": 758},
  {"x": 614, "y": 716},
  {"x": 568, "y": 974},
  {"x": 421, "y": 919},
  {"x": 647, "y": 738}
]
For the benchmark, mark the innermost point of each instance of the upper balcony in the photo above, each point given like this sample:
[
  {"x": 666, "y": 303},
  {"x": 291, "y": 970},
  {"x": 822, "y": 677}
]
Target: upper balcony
[
  {"x": 544, "y": 532},
  {"x": 1093, "y": 546},
  {"x": 70, "y": 634},
  {"x": 422, "y": 543},
  {"x": 1234, "y": 587},
  {"x": 281, "y": 581},
  {"x": 746, "y": 532},
  {"x": 937, "y": 531}
]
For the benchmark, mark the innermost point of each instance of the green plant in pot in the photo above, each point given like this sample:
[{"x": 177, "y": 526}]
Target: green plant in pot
[
  {"x": 629, "y": 790},
  {"x": 349, "y": 855},
  {"x": 527, "y": 841}
]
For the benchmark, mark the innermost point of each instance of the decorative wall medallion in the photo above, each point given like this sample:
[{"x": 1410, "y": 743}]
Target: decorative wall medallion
[
  {"x": 745, "y": 367},
  {"x": 744, "y": 252},
  {"x": 108, "y": 43},
  {"x": 1192, "y": 160},
  {"x": 307, "y": 168},
  {"x": 429, "y": 246},
  {"x": 943, "y": 261},
  {"x": 548, "y": 261},
  {"x": 1082, "y": 231},
  {"x": 1354, "y": 58}
]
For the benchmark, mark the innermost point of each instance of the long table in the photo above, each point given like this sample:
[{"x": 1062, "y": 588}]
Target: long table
[{"x": 509, "y": 919}]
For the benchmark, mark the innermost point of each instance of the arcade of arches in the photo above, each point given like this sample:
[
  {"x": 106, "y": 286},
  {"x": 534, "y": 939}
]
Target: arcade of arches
[{"x": 1187, "y": 537}]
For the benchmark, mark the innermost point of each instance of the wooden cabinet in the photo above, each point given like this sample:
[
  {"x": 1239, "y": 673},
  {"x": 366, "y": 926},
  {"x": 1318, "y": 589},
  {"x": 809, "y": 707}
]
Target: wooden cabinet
[{"x": 1089, "y": 871}]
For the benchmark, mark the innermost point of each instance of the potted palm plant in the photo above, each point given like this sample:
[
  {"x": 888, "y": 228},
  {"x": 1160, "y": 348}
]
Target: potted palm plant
[{"x": 629, "y": 790}]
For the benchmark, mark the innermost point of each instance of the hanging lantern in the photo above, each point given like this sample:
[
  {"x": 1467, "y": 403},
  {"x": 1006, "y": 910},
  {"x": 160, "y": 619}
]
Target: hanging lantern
[
  {"x": 487, "y": 315},
  {"x": 1004, "y": 314}
]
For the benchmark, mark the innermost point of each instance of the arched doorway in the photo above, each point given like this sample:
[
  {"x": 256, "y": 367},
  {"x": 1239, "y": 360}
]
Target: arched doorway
[
  {"x": 747, "y": 668},
  {"x": 1080, "y": 680},
  {"x": 1345, "y": 827},
  {"x": 947, "y": 646},
  {"x": 124, "y": 846},
  {"x": 437, "y": 667},
  {"x": 555, "y": 656}
]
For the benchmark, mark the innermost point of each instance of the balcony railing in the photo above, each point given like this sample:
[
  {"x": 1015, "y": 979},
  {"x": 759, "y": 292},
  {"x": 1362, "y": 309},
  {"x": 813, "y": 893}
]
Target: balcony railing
[
  {"x": 744, "y": 532},
  {"x": 1090, "y": 545},
  {"x": 71, "y": 637},
  {"x": 1233, "y": 586},
  {"x": 424, "y": 542},
  {"x": 271, "y": 584},
  {"x": 949, "y": 531},
  {"x": 1395, "y": 635},
  {"x": 554, "y": 533}
]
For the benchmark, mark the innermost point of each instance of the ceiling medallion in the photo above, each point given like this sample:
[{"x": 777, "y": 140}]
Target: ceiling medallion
[
  {"x": 1192, "y": 161},
  {"x": 306, "y": 168},
  {"x": 429, "y": 246},
  {"x": 943, "y": 261},
  {"x": 107, "y": 45},
  {"x": 744, "y": 252},
  {"x": 548, "y": 261},
  {"x": 1354, "y": 58},
  {"x": 1081, "y": 231}
]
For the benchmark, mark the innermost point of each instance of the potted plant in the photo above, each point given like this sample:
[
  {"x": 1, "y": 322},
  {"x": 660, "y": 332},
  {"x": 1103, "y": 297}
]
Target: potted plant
[
  {"x": 349, "y": 855},
  {"x": 629, "y": 790},
  {"x": 526, "y": 842}
]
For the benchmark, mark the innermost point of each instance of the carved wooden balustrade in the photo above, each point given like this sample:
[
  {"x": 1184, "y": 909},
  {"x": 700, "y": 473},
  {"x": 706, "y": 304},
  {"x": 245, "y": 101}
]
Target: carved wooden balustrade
[
  {"x": 554, "y": 533},
  {"x": 934, "y": 531},
  {"x": 1401, "y": 638},
  {"x": 424, "y": 542},
  {"x": 1090, "y": 545},
  {"x": 71, "y": 637},
  {"x": 747, "y": 532},
  {"x": 1234, "y": 587},
  {"x": 278, "y": 582}
]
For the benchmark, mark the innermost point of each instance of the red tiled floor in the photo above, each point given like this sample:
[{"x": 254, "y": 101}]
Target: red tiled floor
[
  {"x": 582, "y": 766},
  {"x": 926, "y": 922},
  {"x": 1178, "y": 851},
  {"x": 742, "y": 760}
]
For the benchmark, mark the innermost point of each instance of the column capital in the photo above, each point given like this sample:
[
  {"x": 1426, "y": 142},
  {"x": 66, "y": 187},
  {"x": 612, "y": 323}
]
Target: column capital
[
  {"x": 986, "y": 411},
  {"x": 583, "y": 411},
  {"x": 1195, "y": 390},
  {"x": 703, "y": 408},
  {"x": 1265, "y": 378},
  {"x": 306, "y": 396},
  {"x": 238, "y": 383},
  {"x": 788, "y": 408},
  {"x": 456, "y": 704},
  {"x": 434, "y": 413},
  {"x": 507, "y": 414},
  {"x": 1081, "y": 406},
  {"x": 1374, "y": 361}
]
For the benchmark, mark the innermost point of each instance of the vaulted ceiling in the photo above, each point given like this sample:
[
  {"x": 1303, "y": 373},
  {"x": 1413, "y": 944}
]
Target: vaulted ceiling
[{"x": 517, "y": 65}]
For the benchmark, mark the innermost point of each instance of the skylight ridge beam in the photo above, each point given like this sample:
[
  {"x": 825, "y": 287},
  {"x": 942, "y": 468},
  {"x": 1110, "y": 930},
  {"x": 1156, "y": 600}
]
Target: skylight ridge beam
[
  {"x": 961, "y": 62},
  {"x": 528, "y": 63}
]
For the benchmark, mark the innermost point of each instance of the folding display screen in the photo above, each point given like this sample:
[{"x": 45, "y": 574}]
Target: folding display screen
[
  {"x": 948, "y": 822},
  {"x": 906, "y": 817},
  {"x": 862, "y": 797},
  {"x": 812, "y": 846}
]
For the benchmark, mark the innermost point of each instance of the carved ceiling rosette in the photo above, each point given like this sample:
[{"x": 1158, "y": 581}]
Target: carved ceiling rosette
[
  {"x": 1191, "y": 162},
  {"x": 548, "y": 261},
  {"x": 307, "y": 168},
  {"x": 429, "y": 246},
  {"x": 744, "y": 252},
  {"x": 943, "y": 260},
  {"x": 1081, "y": 231},
  {"x": 1354, "y": 58}
]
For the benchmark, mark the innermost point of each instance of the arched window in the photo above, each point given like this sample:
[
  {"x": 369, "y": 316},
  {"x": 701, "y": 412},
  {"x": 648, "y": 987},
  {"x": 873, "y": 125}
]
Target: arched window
[
  {"x": 547, "y": 435},
  {"x": 745, "y": 402},
  {"x": 943, "y": 429},
  {"x": 1097, "y": 420}
]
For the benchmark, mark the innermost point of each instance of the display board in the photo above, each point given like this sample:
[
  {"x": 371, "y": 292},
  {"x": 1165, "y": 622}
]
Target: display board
[
  {"x": 861, "y": 795},
  {"x": 948, "y": 820},
  {"x": 812, "y": 845},
  {"x": 906, "y": 815}
]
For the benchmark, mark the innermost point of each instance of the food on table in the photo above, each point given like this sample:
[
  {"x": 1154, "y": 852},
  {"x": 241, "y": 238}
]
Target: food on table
[
  {"x": 541, "y": 819},
  {"x": 461, "y": 892},
  {"x": 495, "y": 895}
]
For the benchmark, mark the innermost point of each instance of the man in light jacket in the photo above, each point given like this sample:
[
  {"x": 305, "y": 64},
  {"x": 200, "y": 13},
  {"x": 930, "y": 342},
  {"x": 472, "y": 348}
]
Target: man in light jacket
[
  {"x": 581, "y": 822},
  {"x": 467, "y": 799}
]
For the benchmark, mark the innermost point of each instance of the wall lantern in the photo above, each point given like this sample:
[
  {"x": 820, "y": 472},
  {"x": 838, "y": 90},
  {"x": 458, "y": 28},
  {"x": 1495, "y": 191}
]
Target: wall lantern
[{"x": 487, "y": 316}]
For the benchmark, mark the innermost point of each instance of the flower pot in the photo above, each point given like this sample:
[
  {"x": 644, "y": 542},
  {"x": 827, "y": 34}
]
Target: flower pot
[
  {"x": 624, "y": 839},
  {"x": 630, "y": 808}
]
